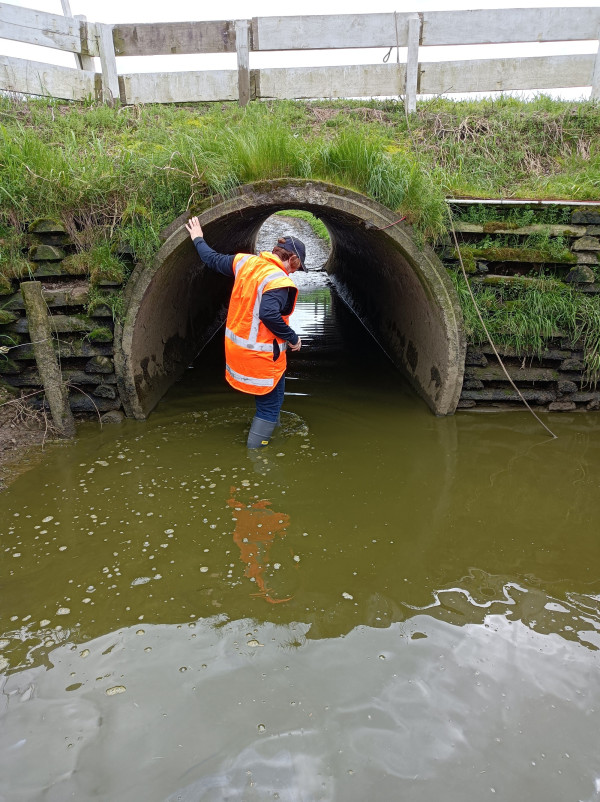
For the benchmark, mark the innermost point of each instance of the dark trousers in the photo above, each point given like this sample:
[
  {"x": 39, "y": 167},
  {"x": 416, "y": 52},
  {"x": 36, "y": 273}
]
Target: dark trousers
[{"x": 268, "y": 405}]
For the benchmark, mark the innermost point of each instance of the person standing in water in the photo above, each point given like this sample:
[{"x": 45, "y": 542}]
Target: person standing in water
[{"x": 257, "y": 331}]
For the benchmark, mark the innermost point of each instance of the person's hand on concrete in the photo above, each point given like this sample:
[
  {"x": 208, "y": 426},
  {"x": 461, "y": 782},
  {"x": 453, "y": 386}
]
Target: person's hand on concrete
[
  {"x": 194, "y": 228},
  {"x": 298, "y": 345}
]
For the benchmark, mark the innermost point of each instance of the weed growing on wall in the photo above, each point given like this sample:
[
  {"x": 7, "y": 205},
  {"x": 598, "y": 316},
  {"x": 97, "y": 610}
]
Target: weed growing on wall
[
  {"x": 13, "y": 263},
  {"x": 512, "y": 216},
  {"x": 526, "y": 314}
]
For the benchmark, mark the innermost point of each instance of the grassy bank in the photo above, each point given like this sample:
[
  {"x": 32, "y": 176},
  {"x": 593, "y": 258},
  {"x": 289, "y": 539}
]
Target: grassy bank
[
  {"x": 117, "y": 177},
  {"x": 137, "y": 168}
]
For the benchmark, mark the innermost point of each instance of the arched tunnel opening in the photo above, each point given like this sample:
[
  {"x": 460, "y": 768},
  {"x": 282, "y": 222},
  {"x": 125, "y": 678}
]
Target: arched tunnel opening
[{"x": 398, "y": 288}]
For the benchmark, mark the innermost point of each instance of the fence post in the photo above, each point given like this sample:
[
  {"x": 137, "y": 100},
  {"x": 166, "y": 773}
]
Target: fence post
[
  {"x": 596, "y": 74},
  {"x": 40, "y": 333},
  {"x": 83, "y": 62},
  {"x": 412, "y": 62},
  {"x": 108, "y": 61},
  {"x": 242, "y": 46}
]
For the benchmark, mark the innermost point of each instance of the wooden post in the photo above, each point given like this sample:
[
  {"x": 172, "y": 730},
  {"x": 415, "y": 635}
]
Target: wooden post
[
  {"x": 108, "y": 60},
  {"x": 596, "y": 75},
  {"x": 242, "y": 46},
  {"x": 47, "y": 363},
  {"x": 412, "y": 63},
  {"x": 83, "y": 62}
]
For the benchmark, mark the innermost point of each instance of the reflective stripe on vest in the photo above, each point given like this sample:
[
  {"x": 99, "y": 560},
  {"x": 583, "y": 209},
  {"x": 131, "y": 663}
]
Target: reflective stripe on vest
[
  {"x": 242, "y": 261},
  {"x": 252, "y": 346},
  {"x": 259, "y": 294},
  {"x": 249, "y": 379}
]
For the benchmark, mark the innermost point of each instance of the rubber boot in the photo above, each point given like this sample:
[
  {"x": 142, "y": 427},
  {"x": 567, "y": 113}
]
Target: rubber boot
[{"x": 260, "y": 432}]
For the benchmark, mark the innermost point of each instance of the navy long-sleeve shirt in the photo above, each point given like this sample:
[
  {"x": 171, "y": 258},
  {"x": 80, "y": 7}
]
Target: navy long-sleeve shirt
[{"x": 273, "y": 304}]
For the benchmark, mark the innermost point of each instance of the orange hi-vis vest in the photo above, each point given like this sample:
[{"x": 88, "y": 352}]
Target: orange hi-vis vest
[{"x": 249, "y": 345}]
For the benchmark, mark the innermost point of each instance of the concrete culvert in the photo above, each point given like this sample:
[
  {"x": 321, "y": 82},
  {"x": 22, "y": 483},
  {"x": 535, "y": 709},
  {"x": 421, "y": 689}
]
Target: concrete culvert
[{"x": 400, "y": 291}]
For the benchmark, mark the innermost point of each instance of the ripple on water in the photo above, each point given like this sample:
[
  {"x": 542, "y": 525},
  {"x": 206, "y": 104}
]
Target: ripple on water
[{"x": 514, "y": 705}]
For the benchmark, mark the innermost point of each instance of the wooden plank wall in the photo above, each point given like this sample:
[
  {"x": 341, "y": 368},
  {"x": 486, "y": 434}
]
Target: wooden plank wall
[{"x": 407, "y": 30}]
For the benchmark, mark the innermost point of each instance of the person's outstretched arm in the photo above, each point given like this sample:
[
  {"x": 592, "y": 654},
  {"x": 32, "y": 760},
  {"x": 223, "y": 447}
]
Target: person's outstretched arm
[{"x": 219, "y": 262}]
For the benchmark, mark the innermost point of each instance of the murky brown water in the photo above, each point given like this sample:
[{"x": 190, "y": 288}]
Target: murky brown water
[{"x": 438, "y": 625}]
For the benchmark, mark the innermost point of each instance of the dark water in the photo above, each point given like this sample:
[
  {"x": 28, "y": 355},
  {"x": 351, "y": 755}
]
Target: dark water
[{"x": 381, "y": 605}]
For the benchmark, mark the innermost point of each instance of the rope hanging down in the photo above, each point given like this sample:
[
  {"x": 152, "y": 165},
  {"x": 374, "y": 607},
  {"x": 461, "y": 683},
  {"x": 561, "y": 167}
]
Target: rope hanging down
[{"x": 496, "y": 354}]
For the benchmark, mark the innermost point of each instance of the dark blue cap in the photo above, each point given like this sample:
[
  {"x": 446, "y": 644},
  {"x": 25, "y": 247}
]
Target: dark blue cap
[{"x": 295, "y": 246}]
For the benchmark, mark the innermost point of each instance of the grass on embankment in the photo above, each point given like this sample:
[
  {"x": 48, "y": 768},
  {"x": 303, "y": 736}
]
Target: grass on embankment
[
  {"x": 318, "y": 226},
  {"x": 131, "y": 171},
  {"x": 119, "y": 176}
]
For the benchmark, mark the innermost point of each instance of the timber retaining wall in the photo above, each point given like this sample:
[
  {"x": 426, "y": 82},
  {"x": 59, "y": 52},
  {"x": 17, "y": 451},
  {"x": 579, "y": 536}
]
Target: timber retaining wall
[
  {"x": 84, "y": 333},
  {"x": 556, "y": 378}
]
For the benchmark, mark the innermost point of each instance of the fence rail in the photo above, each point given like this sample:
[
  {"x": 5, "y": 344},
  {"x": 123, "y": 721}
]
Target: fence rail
[{"x": 407, "y": 30}]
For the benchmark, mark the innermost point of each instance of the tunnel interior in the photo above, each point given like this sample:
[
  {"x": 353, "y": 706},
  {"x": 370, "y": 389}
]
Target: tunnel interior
[{"x": 399, "y": 290}]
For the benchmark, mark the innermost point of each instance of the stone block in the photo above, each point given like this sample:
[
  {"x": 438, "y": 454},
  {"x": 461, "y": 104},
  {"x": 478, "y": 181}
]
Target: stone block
[
  {"x": 105, "y": 391},
  {"x": 7, "y": 391},
  {"x": 46, "y": 253},
  {"x": 41, "y": 270},
  {"x": 572, "y": 364},
  {"x": 83, "y": 403},
  {"x": 102, "y": 310},
  {"x": 472, "y": 384},
  {"x": 6, "y": 287},
  {"x": 586, "y": 217},
  {"x": 6, "y": 316},
  {"x": 586, "y": 258},
  {"x": 495, "y": 373},
  {"x": 567, "y": 387},
  {"x": 8, "y": 367},
  {"x": 593, "y": 405},
  {"x": 476, "y": 358},
  {"x": 573, "y": 346},
  {"x": 66, "y": 349},
  {"x": 582, "y": 274},
  {"x": 29, "y": 377},
  {"x": 63, "y": 324},
  {"x": 556, "y": 354},
  {"x": 106, "y": 282},
  {"x": 114, "y": 416},
  {"x": 80, "y": 377},
  {"x": 46, "y": 225},
  {"x": 509, "y": 395},
  {"x": 101, "y": 334},
  {"x": 586, "y": 396},
  {"x": 593, "y": 231},
  {"x": 466, "y": 404},
  {"x": 586, "y": 244},
  {"x": 99, "y": 364},
  {"x": 76, "y": 295},
  {"x": 562, "y": 406}
]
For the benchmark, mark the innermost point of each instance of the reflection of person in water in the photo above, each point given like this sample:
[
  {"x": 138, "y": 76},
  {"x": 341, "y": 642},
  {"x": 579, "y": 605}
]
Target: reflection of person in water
[{"x": 255, "y": 530}]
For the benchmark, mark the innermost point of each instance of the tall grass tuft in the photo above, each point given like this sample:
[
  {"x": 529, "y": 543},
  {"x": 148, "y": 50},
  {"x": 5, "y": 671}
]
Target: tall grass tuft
[{"x": 525, "y": 315}]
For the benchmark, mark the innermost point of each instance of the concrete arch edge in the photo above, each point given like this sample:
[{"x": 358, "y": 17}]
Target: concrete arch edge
[{"x": 425, "y": 332}]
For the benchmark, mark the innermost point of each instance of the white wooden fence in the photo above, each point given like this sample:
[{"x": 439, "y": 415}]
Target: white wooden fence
[{"x": 412, "y": 31}]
